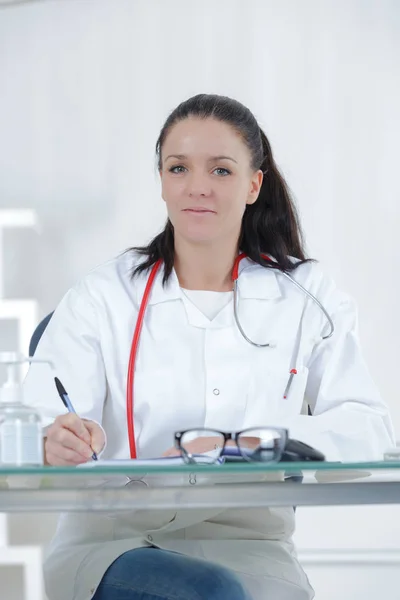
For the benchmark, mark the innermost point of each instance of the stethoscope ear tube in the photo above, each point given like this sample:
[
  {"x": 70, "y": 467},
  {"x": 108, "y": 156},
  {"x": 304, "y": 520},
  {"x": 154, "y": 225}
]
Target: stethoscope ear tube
[
  {"x": 237, "y": 321},
  {"x": 235, "y": 278},
  {"x": 315, "y": 300}
]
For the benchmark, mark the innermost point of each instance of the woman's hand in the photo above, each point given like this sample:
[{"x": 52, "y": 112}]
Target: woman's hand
[
  {"x": 206, "y": 444},
  {"x": 71, "y": 441},
  {"x": 196, "y": 446}
]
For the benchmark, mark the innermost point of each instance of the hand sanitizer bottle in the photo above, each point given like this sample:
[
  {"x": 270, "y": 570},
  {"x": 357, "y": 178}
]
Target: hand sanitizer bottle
[{"x": 21, "y": 437}]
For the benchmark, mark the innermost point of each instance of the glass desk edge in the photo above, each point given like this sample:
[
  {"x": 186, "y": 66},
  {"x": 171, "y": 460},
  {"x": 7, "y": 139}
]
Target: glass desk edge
[{"x": 231, "y": 468}]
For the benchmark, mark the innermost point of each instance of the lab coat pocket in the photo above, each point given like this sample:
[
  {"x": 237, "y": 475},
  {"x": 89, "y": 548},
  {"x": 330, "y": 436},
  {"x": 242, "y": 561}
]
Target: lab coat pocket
[
  {"x": 267, "y": 404},
  {"x": 292, "y": 399}
]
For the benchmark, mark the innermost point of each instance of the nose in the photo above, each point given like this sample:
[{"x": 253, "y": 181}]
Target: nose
[{"x": 198, "y": 185}]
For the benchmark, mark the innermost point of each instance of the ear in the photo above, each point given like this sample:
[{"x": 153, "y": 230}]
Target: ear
[{"x": 255, "y": 186}]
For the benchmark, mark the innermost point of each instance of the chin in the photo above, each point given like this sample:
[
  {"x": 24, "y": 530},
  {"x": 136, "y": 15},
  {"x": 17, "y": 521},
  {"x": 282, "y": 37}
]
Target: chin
[
  {"x": 197, "y": 235},
  {"x": 200, "y": 240}
]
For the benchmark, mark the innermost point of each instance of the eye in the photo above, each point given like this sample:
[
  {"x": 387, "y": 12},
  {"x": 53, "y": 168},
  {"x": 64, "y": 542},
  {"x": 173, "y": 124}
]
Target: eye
[
  {"x": 222, "y": 172},
  {"x": 177, "y": 169}
]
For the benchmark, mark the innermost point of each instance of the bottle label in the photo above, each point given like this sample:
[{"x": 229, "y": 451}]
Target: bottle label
[{"x": 21, "y": 443}]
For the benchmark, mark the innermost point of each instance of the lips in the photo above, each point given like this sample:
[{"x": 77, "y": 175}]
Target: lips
[{"x": 199, "y": 210}]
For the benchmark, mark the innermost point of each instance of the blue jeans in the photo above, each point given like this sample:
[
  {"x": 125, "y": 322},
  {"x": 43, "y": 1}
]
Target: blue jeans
[{"x": 155, "y": 574}]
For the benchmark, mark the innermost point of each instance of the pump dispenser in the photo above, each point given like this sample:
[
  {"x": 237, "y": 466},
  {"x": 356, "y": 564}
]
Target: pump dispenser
[{"x": 21, "y": 437}]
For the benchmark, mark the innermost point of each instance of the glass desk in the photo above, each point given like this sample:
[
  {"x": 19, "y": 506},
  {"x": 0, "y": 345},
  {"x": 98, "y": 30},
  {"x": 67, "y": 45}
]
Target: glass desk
[{"x": 237, "y": 485}]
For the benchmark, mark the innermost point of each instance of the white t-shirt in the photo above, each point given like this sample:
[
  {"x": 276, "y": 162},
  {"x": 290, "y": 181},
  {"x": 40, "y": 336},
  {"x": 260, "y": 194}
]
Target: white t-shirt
[{"x": 208, "y": 302}]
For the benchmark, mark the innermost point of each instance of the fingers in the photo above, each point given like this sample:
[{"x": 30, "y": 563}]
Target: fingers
[
  {"x": 97, "y": 436},
  {"x": 56, "y": 461},
  {"x": 74, "y": 424},
  {"x": 59, "y": 456},
  {"x": 68, "y": 441},
  {"x": 172, "y": 452},
  {"x": 64, "y": 438},
  {"x": 197, "y": 446}
]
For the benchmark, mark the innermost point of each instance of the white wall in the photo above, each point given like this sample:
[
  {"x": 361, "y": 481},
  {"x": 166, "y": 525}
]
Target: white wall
[{"x": 84, "y": 88}]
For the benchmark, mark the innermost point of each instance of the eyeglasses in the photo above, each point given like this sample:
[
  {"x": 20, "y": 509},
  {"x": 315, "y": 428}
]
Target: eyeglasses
[{"x": 261, "y": 444}]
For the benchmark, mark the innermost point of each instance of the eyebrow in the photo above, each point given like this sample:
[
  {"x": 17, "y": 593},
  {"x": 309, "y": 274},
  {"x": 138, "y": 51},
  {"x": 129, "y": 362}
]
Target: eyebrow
[{"x": 211, "y": 159}]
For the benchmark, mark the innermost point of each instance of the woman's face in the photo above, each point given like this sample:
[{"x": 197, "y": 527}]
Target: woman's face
[{"x": 207, "y": 180}]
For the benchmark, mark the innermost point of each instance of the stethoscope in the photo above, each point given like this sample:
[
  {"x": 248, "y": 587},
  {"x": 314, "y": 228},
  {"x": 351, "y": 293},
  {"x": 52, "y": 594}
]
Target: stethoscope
[{"x": 139, "y": 324}]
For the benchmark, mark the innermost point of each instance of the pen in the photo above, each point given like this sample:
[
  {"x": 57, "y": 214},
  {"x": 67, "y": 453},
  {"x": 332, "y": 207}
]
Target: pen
[
  {"x": 62, "y": 392},
  {"x": 289, "y": 383}
]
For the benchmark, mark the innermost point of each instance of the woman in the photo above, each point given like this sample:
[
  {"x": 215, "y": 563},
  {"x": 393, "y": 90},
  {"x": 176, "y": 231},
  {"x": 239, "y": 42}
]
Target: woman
[{"x": 224, "y": 195}]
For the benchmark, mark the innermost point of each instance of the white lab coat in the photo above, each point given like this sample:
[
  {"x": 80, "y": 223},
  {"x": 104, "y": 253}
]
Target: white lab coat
[{"x": 193, "y": 372}]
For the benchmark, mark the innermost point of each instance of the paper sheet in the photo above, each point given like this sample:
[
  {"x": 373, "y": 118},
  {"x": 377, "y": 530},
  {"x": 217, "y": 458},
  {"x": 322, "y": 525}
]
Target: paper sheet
[{"x": 167, "y": 461}]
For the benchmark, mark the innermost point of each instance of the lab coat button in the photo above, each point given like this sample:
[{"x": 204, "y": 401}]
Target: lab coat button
[
  {"x": 216, "y": 392},
  {"x": 149, "y": 538}
]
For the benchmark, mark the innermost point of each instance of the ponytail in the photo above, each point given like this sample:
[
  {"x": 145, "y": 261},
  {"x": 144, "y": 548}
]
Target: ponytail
[{"x": 271, "y": 225}]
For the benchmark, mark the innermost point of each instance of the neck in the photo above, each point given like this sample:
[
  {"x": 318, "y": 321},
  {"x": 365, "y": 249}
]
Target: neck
[{"x": 207, "y": 267}]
